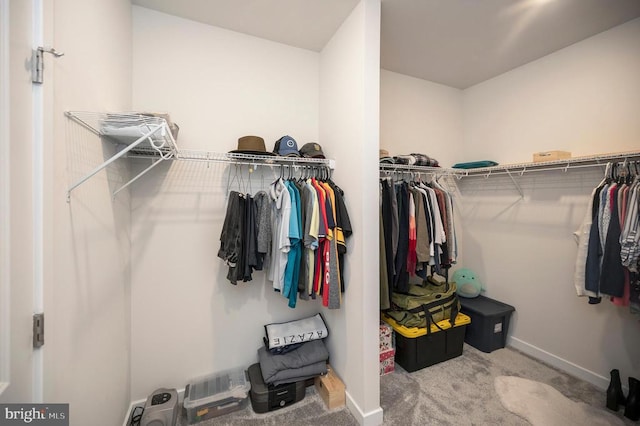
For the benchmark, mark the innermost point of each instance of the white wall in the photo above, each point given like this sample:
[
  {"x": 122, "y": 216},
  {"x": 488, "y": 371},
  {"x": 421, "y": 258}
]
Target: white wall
[
  {"x": 87, "y": 241},
  {"x": 349, "y": 121},
  {"x": 420, "y": 116},
  {"x": 584, "y": 99},
  {"x": 218, "y": 85}
]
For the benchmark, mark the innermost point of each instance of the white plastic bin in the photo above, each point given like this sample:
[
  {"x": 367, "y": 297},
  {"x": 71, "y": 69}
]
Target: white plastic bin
[{"x": 216, "y": 394}]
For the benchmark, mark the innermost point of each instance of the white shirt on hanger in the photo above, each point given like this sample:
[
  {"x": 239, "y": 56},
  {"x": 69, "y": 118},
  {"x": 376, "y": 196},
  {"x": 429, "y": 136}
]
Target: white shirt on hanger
[{"x": 281, "y": 245}]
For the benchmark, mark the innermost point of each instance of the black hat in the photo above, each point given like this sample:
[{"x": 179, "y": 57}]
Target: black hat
[{"x": 311, "y": 150}]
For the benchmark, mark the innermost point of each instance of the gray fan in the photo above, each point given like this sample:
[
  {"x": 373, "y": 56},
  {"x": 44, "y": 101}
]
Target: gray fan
[{"x": 161, "y": 408}]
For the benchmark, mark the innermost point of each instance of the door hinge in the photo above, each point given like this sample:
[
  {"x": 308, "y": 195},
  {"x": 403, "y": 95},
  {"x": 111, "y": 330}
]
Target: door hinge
[
  {"x": 37, "y": 62},
  {"x": 38, "y": 330}
]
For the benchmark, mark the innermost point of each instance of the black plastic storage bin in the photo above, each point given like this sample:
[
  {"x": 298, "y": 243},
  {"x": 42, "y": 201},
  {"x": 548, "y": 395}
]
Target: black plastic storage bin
[
  {"x": 266, "y": 398},
  {"x": 489, "y": 322}
]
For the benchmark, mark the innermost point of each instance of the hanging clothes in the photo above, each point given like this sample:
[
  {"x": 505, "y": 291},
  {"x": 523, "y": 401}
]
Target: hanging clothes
[
  {"x": 298, "y": 231},
  {"x": 262, "y": 204},
  {"x": 425, "y": 234},
  {"x": 231, "y": 238},
  {"x": 607, "y": 263},
  {"x": 611, "y": 274},
  {"x": 388, "y": 209},
  {"x": 280, "y": 217},
  {"x": 309, "y": 236},
  {"x": 401, "y": 278},
  {"x": 292, "y": 268},
  {"x": 343, "y": 229},
  {"x": 582, "y": 236},
  {"x": 385, "y": 298}
]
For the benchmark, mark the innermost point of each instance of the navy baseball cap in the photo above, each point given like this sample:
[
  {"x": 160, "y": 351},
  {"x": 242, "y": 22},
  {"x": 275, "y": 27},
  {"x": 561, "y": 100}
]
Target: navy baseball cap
[{"x": 286, "y": 146}]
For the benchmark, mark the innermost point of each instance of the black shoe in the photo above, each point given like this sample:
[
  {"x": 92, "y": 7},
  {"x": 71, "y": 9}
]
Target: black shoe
[
  {"x": 615, "y": 397},
  {"x": 632, "y": 410}
]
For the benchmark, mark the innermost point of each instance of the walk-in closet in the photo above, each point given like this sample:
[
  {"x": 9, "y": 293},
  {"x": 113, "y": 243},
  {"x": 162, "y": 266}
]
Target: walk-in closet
[{"x": 117, "y": 243}]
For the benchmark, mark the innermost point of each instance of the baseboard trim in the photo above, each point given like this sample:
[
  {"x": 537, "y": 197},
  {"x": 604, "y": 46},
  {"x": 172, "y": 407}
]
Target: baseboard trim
[
  {"x": 559, "y": 363},
  {"x": 372, "y": 418}
]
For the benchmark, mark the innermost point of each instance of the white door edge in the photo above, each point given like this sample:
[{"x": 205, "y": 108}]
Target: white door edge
[
  {"x": 5, "y": 236},
  {"x": 38, "y": 202}
]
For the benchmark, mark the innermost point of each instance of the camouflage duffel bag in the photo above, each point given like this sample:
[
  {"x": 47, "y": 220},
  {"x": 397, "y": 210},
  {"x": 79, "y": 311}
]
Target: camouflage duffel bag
[{"x": 424, "y": 305}]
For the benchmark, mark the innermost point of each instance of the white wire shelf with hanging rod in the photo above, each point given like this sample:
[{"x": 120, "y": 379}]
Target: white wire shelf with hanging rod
[
  {"x": 150, "y": 136},
  {"x": 514, "y": 169},
  {"x": 564, "y": 165},
  {"x": 567, "y": 164},
  {"x": 252, "y": 159},
  {"x": 518, "y": 168}
]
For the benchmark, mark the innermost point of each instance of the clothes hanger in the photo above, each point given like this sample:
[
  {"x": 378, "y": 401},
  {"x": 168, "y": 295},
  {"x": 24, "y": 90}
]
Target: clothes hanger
[
  {"x": 231, "y": 179},
  {"x": 250, "y": 192},
  {"x": 610, "y": 173}
]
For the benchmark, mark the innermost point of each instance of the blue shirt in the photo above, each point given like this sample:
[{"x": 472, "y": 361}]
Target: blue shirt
[{"x": 292, "y": 270}]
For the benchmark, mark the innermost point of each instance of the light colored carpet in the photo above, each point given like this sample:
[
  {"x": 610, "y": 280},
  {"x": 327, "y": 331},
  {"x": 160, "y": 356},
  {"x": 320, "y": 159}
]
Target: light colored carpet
[
  {"x": 543, "y": 405},
  {"x": 456, "y": 392}
]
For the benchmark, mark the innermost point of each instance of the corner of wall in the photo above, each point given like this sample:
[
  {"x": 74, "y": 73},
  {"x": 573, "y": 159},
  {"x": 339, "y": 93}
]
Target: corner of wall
[{"x": 371, "y": 418}]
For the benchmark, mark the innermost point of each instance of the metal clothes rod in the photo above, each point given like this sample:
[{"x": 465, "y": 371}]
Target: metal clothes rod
[
  {"x": 427, "y": 170},
  {"x": 251, "y": 159}
]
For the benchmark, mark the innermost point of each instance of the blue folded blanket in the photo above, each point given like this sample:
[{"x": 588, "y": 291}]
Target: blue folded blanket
[{"x": 475, "y": 164}]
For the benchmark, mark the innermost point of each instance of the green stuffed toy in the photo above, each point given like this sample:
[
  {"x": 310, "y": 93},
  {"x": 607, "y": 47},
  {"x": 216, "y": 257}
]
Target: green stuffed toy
[{"x": 467, "y": 283}]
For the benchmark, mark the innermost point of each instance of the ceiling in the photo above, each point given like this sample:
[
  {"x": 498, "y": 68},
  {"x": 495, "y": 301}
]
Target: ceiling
[{"x": 458, "y": 43}]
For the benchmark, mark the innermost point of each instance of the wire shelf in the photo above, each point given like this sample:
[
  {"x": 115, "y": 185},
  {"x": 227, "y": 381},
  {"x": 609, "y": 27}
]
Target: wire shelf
[
  {"x": 149, "y": 136},
  {"x": 520, "y": 169},
  {"x": 564, "y": 165},
  {"x": 439, "y": 171},
  {"x": 144, "y": 134}
]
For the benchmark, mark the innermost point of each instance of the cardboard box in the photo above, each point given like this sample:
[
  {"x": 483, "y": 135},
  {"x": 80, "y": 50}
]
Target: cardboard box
[
  {"x": 386, "y": 337},
  {"x": 331, "y": 389},
  {"x": 539, "y": 157},
  {"x": 387, "y": 363},
  {"x": 417, "y": 349}
]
